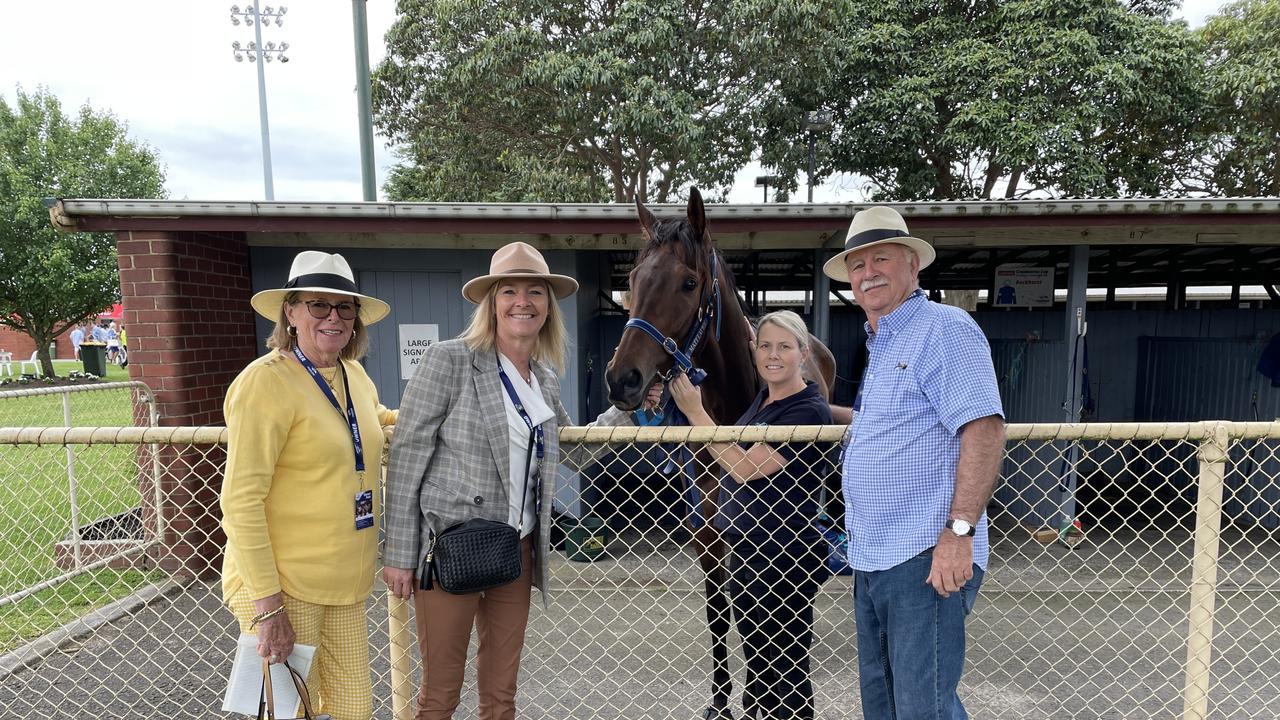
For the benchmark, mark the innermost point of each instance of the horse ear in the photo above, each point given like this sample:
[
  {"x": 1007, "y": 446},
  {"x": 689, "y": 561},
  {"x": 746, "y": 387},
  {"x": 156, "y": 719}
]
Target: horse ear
[
  {"x": 697, "y": 214},
  {"x": 646, "y": 218}
]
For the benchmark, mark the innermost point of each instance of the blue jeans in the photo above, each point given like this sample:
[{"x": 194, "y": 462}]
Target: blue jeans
[{"x": 910, "y": 642}]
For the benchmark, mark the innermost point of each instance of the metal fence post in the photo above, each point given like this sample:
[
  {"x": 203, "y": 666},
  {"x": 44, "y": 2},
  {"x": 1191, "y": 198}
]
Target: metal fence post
[
  {"x": 1212, "y": 456},
  {"x": 402, "y": 691},
  {"x": 71, "y": 485}
]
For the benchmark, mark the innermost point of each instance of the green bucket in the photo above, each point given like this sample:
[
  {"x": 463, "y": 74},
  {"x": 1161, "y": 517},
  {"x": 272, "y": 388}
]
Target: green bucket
[{"x": 585, "y": 539}]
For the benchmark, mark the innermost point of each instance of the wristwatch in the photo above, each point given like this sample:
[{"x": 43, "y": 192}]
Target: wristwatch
[{"x": 962, "y": 528}]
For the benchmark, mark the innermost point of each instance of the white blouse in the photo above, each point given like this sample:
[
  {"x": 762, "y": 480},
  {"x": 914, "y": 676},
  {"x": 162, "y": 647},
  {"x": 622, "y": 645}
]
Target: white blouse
[{"x": 518, "y": 447}]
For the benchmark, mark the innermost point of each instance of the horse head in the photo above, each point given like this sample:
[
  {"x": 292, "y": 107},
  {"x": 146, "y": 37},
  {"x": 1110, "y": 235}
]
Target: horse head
[{"x": 672, "y": 286}]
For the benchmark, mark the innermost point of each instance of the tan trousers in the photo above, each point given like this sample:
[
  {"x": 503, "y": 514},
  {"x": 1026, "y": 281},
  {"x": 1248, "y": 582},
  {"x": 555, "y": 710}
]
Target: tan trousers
[{"x": 444, "y": 621}]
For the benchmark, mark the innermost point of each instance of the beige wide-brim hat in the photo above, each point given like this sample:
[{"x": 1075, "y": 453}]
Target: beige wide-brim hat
[
  {"x": 877, "y": 225},
  {"x": 522, "y": 261},
  {"x": 321, "y": 272}
]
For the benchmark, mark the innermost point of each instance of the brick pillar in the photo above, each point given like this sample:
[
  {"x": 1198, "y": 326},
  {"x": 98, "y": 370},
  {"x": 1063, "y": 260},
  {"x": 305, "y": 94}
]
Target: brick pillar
[{"x": 191, "y": 330}]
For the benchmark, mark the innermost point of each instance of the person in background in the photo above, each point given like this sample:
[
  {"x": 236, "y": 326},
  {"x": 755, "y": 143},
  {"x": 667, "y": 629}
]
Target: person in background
[
  {"x": 123, "y": 357},
  {"x": 113, "y": 342},
  {"x": 478, "y": 438},
  {"x": 300, "y": 499},
  {"x": 923, "y": 453},
  {"x": 99, "y": 333},
  {"x": 77, "y": 337},
  {"x": 769, "y": 498}
]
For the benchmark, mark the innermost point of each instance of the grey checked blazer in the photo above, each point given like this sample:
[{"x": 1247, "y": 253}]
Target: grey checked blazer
[{"x": 450, "y": 460}]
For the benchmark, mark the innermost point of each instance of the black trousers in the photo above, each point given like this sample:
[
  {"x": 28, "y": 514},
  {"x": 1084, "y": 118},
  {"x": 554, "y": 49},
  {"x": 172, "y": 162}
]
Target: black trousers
[{"x": 772, "y": 587}]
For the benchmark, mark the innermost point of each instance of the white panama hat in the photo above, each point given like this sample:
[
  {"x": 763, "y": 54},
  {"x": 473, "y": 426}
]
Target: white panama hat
[
  {"x": 877, "y": 225},
  {"x": 320, "y": 272}
]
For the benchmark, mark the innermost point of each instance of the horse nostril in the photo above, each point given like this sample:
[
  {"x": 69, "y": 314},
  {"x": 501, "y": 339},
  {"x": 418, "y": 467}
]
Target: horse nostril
[{"x": 631, "y": 380}]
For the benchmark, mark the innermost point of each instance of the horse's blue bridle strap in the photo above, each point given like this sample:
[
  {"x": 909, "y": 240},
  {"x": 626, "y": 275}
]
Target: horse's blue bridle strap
[
  {"x": 668, "y": 344},
  {"x": 684, "y": 356}
]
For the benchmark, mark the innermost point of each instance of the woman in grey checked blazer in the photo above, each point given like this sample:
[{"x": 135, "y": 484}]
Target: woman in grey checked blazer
[{"x": 459, "y": 453}]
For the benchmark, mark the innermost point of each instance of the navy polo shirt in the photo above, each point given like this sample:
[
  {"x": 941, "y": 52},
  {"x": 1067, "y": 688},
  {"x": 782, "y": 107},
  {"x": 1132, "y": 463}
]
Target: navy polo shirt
[{"x": 781, "y": 506}]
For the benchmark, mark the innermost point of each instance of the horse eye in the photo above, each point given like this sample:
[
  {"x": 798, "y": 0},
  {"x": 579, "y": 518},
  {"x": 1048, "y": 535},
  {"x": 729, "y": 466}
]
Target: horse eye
[{"x": 690, "y": 284}]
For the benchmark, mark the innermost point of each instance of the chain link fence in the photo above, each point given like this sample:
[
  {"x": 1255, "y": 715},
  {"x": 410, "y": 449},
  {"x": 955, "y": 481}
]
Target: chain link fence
[
  {"x": 95, "y": 404},
  {"x": 1161, "y": 602}
]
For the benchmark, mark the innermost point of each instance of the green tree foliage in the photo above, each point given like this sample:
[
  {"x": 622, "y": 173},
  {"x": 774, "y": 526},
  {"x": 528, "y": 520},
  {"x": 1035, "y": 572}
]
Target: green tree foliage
[
  {"x": 585, "y": 100},
  {"x": 1241, "y": 151},
  {"x": 947, "y": 99},
  {"x": 52, "y": 280}
]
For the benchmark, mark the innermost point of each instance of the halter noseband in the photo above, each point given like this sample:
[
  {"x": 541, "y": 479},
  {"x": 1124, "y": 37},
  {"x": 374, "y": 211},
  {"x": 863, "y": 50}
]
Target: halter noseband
[{"x": 697, "y": 332}]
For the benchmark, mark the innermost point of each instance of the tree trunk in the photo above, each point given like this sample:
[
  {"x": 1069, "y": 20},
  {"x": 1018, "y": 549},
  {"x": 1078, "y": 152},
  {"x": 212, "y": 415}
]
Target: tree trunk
[
  {"x": 993, "y": 174},
  {"x": 615, "y": 170},
  {"x": 1015, "y": 177},
  {"x": 46, "y": 360}
]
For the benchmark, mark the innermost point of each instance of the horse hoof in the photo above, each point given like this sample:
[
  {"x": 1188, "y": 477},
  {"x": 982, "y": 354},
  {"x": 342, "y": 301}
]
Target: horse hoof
[{"x": 715, "y": 713}]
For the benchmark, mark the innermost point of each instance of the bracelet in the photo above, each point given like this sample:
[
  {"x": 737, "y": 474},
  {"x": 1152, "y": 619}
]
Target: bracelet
[{"x": 263, "y": 617}]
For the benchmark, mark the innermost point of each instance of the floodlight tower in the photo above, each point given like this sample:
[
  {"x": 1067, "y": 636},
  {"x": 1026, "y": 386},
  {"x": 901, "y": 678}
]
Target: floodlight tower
[{"x": 261, "y": 54}]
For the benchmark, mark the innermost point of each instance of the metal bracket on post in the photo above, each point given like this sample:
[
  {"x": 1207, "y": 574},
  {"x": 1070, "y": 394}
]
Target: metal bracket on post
[{"x": 1212, "y": 457}]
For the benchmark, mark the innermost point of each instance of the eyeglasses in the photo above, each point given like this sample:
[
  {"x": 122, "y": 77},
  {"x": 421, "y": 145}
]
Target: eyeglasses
[{"x": 320, "y": 309}]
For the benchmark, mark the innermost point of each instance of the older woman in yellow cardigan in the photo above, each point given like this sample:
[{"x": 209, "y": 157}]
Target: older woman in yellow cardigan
[{"x": 300, "y": 496}]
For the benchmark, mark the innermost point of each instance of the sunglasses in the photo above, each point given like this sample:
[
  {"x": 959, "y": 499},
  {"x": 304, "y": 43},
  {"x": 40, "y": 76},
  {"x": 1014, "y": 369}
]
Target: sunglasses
[{"x": 320, "y": 309}]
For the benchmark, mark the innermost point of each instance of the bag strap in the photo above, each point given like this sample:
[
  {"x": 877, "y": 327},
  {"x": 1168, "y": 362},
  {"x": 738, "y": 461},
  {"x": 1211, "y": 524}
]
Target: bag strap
[
  {"x": 301, "y": 686},
  {"x": 266, "y": 698},
  {"x": 524, "y": 493}
]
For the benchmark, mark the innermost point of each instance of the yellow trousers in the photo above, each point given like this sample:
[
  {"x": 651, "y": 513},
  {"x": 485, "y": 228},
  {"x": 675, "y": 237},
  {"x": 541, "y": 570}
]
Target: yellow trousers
[{"x": 339, "y": 678}]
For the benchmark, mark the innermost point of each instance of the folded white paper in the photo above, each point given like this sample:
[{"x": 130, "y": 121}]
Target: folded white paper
[{"x": 244, "y": 684}]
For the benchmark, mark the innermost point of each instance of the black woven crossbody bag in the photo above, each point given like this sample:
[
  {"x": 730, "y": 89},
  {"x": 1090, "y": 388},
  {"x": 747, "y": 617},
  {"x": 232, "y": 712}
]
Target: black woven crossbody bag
[{"x": 476, "y": 554}]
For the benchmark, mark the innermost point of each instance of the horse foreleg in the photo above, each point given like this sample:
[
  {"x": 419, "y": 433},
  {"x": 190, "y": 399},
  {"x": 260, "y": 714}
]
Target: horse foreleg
[{"x": 712, "y": 553}]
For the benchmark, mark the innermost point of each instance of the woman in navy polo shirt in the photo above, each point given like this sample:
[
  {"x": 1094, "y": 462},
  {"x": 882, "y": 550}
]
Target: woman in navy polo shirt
[{"x": 768, "y": 501}]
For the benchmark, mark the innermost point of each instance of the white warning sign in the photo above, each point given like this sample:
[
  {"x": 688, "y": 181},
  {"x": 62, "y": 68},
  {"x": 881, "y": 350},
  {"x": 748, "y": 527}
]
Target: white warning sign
[{"x": 414, "y": 341}]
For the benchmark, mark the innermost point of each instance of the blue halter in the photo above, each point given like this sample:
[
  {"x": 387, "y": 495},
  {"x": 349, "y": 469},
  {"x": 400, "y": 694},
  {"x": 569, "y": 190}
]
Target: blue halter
[{"x": 697, "y": 332}]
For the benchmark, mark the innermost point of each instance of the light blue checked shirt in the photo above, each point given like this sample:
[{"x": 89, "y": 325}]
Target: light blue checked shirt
[{"x": 929, "y": 373}]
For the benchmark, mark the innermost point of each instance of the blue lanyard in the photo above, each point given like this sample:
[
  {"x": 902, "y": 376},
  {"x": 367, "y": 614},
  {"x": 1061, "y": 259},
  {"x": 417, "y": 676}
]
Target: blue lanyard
[
  {"x": 515, "y": 400},
  {"x": 351, "y": 410}
]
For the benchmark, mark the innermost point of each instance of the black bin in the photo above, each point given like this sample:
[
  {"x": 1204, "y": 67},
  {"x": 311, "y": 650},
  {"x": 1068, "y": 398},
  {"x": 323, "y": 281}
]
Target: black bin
[{"x": 94, "y": 357}]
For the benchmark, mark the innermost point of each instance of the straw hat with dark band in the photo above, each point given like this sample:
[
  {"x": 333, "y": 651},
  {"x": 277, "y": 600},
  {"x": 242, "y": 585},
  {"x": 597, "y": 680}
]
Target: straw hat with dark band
[
  {"x": 518, "y": 260},
  {"x": 319, "y": 272},
  {"x": 878, "y": 225}
]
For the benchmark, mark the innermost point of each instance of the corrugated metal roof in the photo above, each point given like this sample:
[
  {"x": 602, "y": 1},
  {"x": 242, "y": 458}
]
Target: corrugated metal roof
[{"x": 71, "y": 208}]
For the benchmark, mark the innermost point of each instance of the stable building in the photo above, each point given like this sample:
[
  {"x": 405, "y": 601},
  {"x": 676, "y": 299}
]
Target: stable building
[{"x": 1051, "y": 283}]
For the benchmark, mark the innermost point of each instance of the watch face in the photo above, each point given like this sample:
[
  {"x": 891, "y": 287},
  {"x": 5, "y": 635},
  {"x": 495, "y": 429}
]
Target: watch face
[{"x": 961, "y": 527}]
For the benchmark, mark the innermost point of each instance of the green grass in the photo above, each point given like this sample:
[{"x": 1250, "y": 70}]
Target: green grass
[
  {"x": 35, "y": 508},
  {"x": 52, "y": 608},
  {"x": 105, "y": 408}
]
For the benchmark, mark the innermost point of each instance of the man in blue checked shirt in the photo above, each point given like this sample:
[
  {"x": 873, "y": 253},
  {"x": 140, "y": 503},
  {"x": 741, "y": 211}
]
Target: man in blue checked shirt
[{"x": 924, "y": 451}]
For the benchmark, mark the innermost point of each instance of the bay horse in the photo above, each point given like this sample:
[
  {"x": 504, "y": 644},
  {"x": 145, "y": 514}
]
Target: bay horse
[{"x": 682, "y": 291}]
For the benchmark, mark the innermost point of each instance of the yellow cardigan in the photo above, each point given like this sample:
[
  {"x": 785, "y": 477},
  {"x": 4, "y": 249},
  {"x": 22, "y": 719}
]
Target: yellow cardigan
[{"x": 288, "y": 497}]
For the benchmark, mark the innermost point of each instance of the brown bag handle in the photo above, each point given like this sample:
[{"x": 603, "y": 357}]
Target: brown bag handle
[{"x": 266, "y": 699}]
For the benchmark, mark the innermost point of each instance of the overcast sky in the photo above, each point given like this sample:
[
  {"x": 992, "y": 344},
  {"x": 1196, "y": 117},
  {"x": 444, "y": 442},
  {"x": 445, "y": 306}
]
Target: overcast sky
[{"x": 166, "y": 68}]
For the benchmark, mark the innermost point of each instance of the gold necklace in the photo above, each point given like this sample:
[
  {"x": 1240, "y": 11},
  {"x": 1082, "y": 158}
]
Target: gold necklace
[{"x": 330, "y": 381}]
